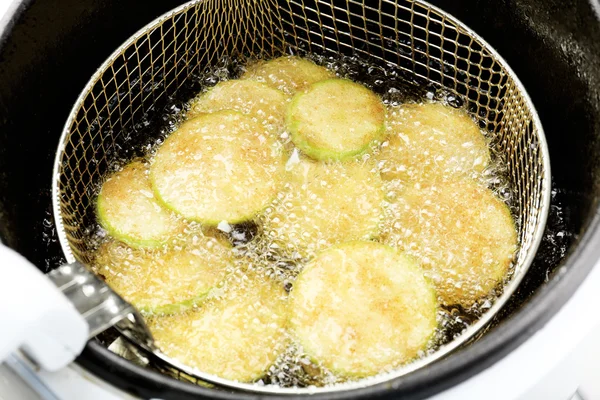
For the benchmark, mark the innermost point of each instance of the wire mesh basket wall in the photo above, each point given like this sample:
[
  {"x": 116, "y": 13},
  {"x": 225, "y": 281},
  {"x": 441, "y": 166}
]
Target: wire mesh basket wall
[{"x": 429, "y": 46}]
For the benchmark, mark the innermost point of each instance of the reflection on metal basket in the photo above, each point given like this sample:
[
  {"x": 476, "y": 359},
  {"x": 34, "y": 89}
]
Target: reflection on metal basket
[{"x": 428, "y": 45}]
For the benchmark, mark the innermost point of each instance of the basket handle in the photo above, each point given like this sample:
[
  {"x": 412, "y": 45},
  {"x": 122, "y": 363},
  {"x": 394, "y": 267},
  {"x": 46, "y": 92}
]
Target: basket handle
[
  {"x": 51, "y": 317},
  {"x": 36, "y": 317}
]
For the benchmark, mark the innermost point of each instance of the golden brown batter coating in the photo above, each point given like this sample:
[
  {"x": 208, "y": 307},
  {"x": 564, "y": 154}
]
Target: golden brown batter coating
[
  {"x": 237, "y": 336},
  {"x": 129, "y": 210},
  {"x": 461, "y": 233},
  {"x": 218, "y": 167},
  {"x": 361, "y": 308},
  {"x": 289, "y": 74},
  {"x": 431, "y": 141},
  {"x": 325, "y": 204}
]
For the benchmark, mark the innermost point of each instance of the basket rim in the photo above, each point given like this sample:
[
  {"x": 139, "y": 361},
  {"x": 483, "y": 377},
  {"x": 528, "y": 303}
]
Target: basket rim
[{"x": 382, "y": 379}]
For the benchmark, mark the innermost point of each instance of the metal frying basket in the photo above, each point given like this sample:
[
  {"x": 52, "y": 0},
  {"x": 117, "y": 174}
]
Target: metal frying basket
[{"x": 427, "y": 44}]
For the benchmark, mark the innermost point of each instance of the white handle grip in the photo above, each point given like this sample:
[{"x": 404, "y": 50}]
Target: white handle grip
[{"x": 36, "y": 317}]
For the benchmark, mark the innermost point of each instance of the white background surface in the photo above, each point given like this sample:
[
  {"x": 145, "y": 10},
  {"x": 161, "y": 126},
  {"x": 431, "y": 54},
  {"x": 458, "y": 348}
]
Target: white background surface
[
  {"x": 4, "y": 5},
  {"x": 558, "y": 363}
]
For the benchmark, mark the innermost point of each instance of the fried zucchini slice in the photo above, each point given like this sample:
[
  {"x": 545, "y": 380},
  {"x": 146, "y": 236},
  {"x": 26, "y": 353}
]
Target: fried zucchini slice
[
  {"x": 335, "y": 119},
  {"x": 361, "y": 308},
  {"x": 165, "y": 280},
  {"x": 128, "y": 209},
  {"x": 429, "y": 141},
  {"x": 237, "y": 336},
  {"x": 462, "y": 234},
  {"x": 323, "y": 204},
  {"x": 217, "y": 167},
  {"x": 288, "y": 74},
  {"x": 258, "y": 100}
]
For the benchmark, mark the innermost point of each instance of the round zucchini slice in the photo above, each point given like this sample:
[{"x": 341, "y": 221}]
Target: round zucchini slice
[
  {"x": 335, "y": 119},
  {"x": 288, "y": 74},
  {"x": 165, "y": 281},
  {"x": 261, "y": 102},
  {"x": 362, "y": 308},
  {"x": 218, "y": 167},
  {"x": 323, "y": 204},
  {"x": 128, "y": 209},
  {"x": 429, "y": 141},
  {"x": 462, "y": 234},
  {"x": 237, "y": 336}
]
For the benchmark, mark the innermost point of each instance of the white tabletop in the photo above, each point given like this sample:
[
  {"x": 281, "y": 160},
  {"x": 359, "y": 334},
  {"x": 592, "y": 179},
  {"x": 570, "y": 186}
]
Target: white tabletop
[{"x": 4, "y": 5}]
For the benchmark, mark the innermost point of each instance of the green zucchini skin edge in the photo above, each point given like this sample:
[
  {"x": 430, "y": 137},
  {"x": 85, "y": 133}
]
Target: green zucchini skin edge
[
  {"x": 175, "y": 308},
  {"x": 117, "y": 234},
  {"x": 207, "y": 222},
  {"x": 292, "y": 125},
  {"x": 349, "y": 374}
]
